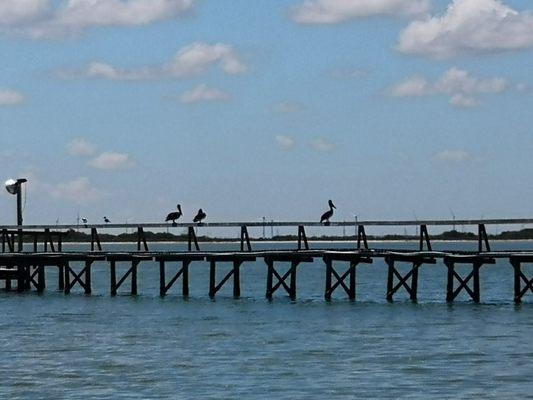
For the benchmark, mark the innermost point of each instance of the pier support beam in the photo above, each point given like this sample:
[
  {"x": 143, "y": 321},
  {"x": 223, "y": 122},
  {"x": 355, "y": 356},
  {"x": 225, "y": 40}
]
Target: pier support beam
[
  {"x": 183, "y": 272},
  {"x": 281, "y": 280},
  {"x": 192, "y": 239},
  {"x": 340, "y": 280},
  {"x": 473, "y": 291},
  {"x": 522, "y": 284},
  {"x": 36, "y": 277},
  {"x": 403, "y": 280},
  {"x": 83, "y": 277},
  {"x": 134, "y": 261},
  {"x": 236, "y": 260}
]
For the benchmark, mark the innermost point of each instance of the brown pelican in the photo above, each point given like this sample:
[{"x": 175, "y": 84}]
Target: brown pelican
[
  {"x": 200, "y": 216},
  {"x": 106, "y": 220},
  {"x": 173, "y": 216},
  {"x": 328, "y": 214}
]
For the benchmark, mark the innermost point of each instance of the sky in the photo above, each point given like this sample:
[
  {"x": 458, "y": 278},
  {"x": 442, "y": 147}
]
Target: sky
[{"x": 394, "y": 109}]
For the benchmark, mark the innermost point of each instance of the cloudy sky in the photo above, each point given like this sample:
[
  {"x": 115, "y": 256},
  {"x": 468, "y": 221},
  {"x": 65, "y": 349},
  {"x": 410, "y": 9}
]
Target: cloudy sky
[{"x": 392, "y": 108}]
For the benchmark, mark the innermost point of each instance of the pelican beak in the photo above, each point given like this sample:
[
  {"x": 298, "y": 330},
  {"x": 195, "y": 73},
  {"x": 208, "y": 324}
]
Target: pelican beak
[{"x": 333, "y": 205}]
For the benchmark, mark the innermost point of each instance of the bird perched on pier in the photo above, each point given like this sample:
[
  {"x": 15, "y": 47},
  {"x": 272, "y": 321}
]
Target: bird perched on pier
[
  {"x": 173, "y": 216},
  {"x": 84, "y": 220},
  {"x": 328, "y": 214},
  {"x": 200, "y": 216},
  {"x": 106, "y": 220}
]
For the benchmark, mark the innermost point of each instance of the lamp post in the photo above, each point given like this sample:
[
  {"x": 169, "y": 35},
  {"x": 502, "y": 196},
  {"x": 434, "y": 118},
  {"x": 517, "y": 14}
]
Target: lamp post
[{"x": 15, "y": 187}]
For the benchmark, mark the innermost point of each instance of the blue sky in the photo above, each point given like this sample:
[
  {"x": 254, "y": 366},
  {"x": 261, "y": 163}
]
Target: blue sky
[{"x": 125, "y": 108}]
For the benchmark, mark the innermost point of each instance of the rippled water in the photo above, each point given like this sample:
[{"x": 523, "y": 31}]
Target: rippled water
[{"x": 99, "y": 347}]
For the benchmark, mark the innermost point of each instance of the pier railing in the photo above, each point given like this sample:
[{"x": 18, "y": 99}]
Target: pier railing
[{"x": 51, "y": 236}]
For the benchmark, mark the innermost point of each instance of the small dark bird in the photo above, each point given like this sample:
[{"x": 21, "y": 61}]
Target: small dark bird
[
  {"x": 84, "y": 220},
  {"x": 173, "y": 216},
  {"x": 328, "y": 214},
  {"x": 200, "y": 216},
  {"x": 106, "y": 220}
]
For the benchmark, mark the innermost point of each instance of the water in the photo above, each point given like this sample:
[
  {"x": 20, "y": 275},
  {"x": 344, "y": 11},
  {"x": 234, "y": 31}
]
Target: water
[{"x": 98, "y": 347}]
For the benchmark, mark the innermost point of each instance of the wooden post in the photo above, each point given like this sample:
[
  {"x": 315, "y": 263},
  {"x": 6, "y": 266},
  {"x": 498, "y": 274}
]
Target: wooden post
[
  {"x": 449, "y": 285},
  {"x": 95, "y": 240},
  {"x": 185, "y": 278},
  {"x": 88, "y": 284},
  {"x": 236, "y": 279},
  {"x": 192, "y": 239},
  {"x": 302, "y": 238},
  {"x": 41, "y": 281},
  {"x": 483, "y": 238},
  {"x": 292, "y": 292},
  {"x": 162, "y": 279},
  {"x": 245, "y": 238},
  {"x": 477, "y": 295},
  {"x": 134, "y": 265},
  {"x": 61, "y": 276},
  {"x": 21, "y": 277},
  {"x": 516, "y": 268},
  {"x": 329, "y": 272},
  {"x": 141, "y": 238},
  {"x": 113, "y": 270},
  {"x": 212, "y": 278},
  {"x": 270, "y": 276},
  {"x": 414, "y": 280},
  {"x": 361, "y": 237},
  {"x": 353, "y": 265},
  {"x": 390, "y": 278},
  {"x": 424, "y": 238},
  {"x": 67, "y": 278}
]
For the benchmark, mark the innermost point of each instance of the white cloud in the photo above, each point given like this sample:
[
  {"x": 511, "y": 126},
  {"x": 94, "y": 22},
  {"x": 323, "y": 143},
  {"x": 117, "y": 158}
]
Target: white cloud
[
  {"x": 469, "y": 27},
  {"x": 194, "y": 59},
  {"x": 335, "y": 11},
  {"x": 455, "y": 155},
  {"x": 460, "y": 85},
  {"x": 14, "y": 12},
  {"x": 79, "y": 190},
  {"x": 322, "y": 144},
  {"x": 414, "y": 86},
  {"x": 285, "y": 142},
  {"x": 110, "y": 161},
  {"x": 10, "y": 97},
  {"x": 80, "y": 147},
  {"x": 203, "y": 93},
  {"x": 47, "y": 18}
]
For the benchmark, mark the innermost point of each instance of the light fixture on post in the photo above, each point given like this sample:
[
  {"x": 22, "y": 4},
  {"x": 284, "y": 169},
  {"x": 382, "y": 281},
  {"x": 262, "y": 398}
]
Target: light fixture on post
[{"x": 15, "y": 187}]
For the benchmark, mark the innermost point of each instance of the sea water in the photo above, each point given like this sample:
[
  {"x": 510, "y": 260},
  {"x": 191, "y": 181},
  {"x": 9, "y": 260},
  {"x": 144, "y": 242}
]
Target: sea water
[{"x": 146, "y": 347}]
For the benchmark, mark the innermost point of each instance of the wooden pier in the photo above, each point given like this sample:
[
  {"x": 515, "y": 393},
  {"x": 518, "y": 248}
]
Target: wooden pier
[{"x": 27, "y": 270}]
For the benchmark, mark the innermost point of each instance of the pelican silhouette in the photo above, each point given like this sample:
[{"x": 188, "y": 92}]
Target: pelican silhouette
[
  {"x": 173, "y": 216},
  {"x": 328, "y": 214},
  {"x": 106, "y": 220},
  {"x": 200, "y": 216}
]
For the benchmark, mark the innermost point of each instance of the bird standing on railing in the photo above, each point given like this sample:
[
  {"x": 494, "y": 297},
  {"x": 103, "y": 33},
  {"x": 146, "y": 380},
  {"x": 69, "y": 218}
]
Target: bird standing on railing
[
  {"x": 106, "y": 220},
  {"x": 200, "y": 216},
  {"x": 173, "y": 216},
  {"x": 328, "y": 214}
]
